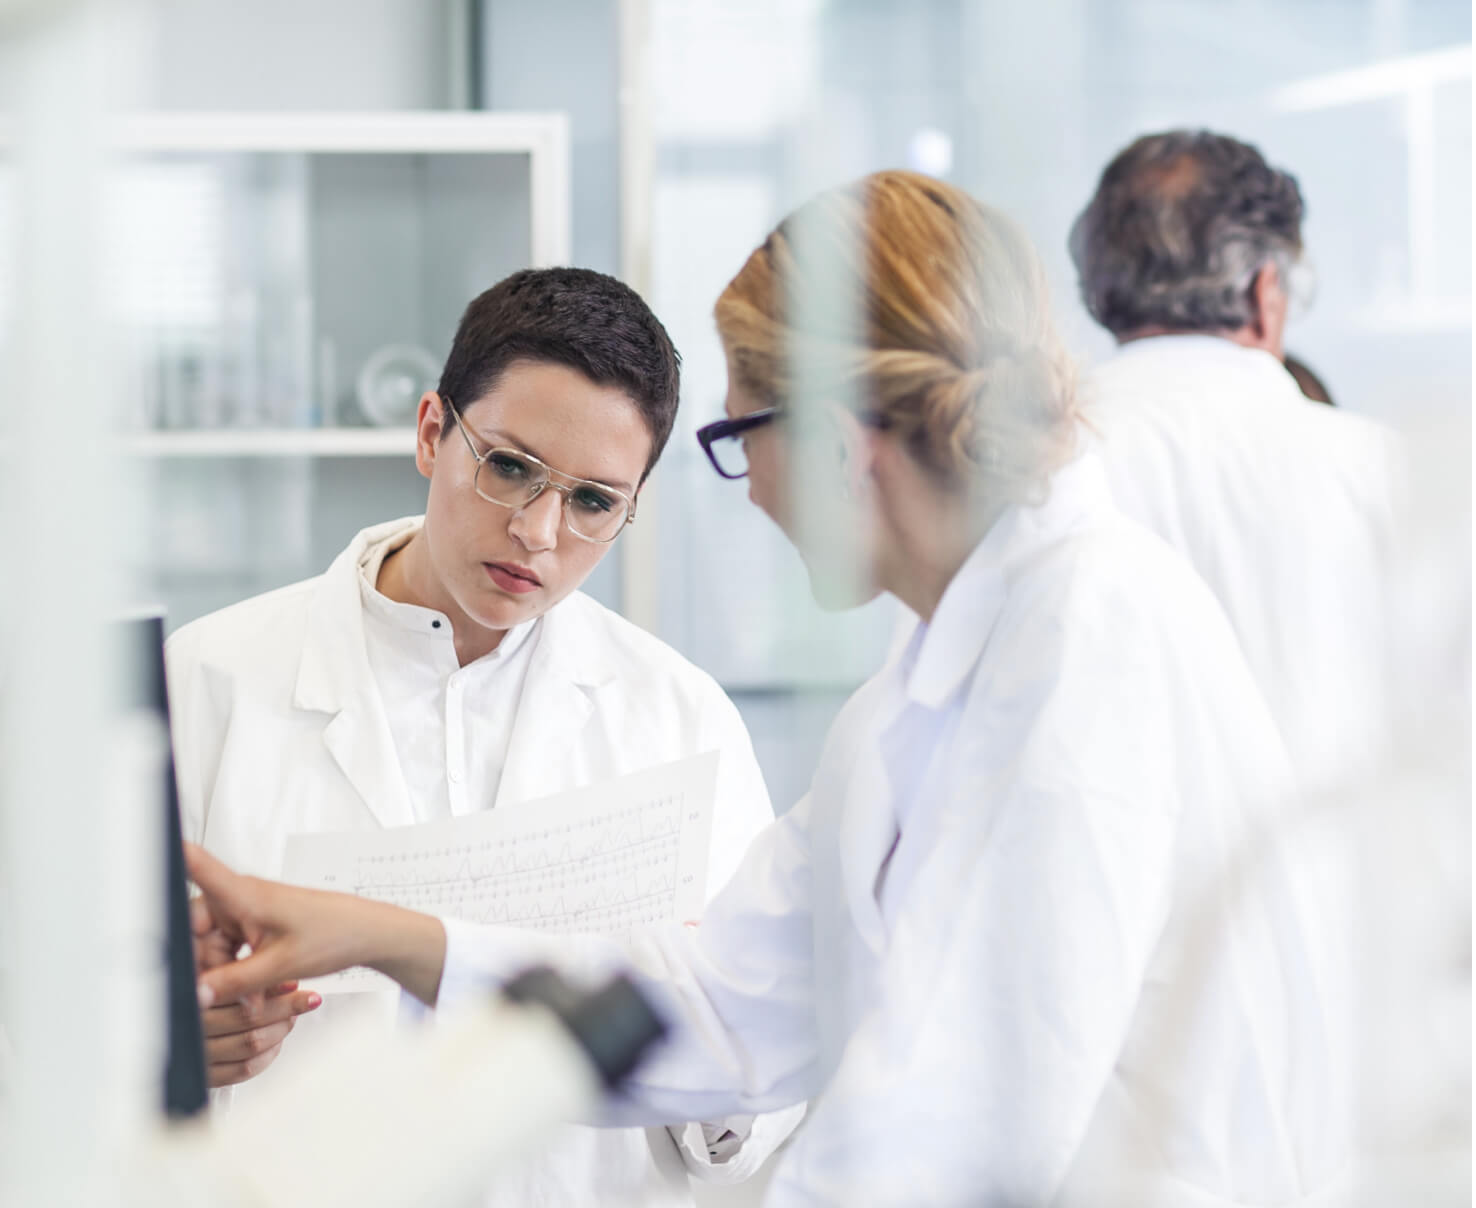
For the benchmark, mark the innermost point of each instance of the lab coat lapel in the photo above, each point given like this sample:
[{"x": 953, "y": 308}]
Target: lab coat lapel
[
  {"x": 548, "y": 751},
  {"x": 334, "y": 677},
  {"x": 924, "y": 675},
  {"x": 869, "y": 826}
]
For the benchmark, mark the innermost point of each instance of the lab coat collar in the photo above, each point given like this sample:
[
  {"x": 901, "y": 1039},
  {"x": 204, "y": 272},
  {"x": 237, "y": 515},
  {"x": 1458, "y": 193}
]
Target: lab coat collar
[
  {"x": 871, "y": 824},
  {"x": 942, "y": 653},
  {"x": 568, "y": 670},
  {"x": 1204, "y": 354},
  {"x": 569, "y": 667},
  {"x": 334, "y": 668},
  {"x": 937, "y": 663},
  {"x": 333, "y": 676}
]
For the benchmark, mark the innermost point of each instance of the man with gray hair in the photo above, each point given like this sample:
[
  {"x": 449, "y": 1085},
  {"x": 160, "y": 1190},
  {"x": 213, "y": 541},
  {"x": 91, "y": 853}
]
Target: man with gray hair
[
  {"x": 1190, "y": 232},
  {"x": 1186, "y": 254}
]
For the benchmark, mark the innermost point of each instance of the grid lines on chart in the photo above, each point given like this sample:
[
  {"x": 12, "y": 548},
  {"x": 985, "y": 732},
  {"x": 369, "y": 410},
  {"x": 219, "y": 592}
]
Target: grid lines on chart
[{"x": 608, "y": 874}]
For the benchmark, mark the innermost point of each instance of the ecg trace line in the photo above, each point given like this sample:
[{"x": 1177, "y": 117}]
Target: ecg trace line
[
  {"x": 600, "y": 903},
  {"x": 625, "y": 906},
  {"x": 464, "y": 871}
]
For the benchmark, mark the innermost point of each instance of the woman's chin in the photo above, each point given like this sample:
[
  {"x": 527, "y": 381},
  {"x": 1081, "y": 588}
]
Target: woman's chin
[
  {"x": 502, "y": 612},
  {"x": 838, "y": 590}
]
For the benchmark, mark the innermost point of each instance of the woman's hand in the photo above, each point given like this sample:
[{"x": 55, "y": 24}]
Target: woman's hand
[
  {"x": 295, "y": 933},
  {"x": 243, "y": 1039}
]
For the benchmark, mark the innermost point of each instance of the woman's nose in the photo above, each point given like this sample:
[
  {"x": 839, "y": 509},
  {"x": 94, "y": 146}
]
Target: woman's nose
[{"x": 536, "y": 524}]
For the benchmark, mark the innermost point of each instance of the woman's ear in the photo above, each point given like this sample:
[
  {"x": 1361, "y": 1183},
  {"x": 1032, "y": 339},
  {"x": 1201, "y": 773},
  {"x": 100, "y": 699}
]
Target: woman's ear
[
  {"x": 430, "y": 419},
  {"x": 854, "y": 445}
]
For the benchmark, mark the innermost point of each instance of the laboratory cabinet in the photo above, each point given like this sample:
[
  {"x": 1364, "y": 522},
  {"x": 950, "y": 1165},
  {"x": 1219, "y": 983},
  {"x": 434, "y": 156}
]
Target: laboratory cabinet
[{"x": 282, "y": 288}]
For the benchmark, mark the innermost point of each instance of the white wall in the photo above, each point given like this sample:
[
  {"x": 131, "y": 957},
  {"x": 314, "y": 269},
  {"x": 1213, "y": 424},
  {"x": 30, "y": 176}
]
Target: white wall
[{"x": 564, "y": 55}]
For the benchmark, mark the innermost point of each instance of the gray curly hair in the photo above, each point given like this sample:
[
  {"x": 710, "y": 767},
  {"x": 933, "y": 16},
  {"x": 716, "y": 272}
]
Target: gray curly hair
[{"x": 1179, "y": 227}]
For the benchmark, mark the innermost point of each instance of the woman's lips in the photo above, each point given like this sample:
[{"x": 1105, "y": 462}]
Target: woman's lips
[{"x": 512, "y": 579}]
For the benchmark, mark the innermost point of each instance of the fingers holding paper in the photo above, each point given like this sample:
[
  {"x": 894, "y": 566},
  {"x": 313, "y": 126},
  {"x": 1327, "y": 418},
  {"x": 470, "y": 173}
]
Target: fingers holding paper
[{"x": 295, "y": 933}]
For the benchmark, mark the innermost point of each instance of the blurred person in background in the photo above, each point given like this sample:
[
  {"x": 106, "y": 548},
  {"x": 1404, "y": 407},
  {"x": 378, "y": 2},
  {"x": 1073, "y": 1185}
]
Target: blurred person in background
[
  {"x": 1186, "y": 254},
  {"x": 1012, "y": 937},
  {"x": 448, "y": 664}
]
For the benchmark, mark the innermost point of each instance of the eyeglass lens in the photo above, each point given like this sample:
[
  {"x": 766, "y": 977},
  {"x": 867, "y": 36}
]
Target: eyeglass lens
[
  {"x": 505, "y": 477},
  {"x": 730, "y": 455}
]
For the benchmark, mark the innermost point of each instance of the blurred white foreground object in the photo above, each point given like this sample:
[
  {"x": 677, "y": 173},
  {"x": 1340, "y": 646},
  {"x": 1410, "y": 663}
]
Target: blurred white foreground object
[{"x": 421, "y": 1120}]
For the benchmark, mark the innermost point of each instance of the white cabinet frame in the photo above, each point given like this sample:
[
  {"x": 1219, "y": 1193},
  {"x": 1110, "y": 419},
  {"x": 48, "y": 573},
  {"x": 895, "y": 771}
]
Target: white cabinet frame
[{"x": 543, "y": 137}]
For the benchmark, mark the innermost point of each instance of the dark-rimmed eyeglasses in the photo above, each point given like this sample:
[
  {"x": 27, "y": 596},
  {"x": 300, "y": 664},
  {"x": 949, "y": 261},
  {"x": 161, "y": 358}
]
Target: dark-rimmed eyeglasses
[
  {"x": 722, "y": 440},
  {"x": 513, "y": 479}
]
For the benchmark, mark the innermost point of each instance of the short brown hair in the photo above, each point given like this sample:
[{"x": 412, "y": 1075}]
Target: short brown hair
[{"x": 574, "y": 317}]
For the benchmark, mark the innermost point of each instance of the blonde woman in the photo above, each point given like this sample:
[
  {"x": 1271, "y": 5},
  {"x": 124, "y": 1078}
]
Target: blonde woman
[{"x": 1006, "y": 944}]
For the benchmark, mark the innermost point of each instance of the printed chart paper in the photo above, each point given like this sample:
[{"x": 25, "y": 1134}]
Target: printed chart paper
[{"x": 607, "y": 858}]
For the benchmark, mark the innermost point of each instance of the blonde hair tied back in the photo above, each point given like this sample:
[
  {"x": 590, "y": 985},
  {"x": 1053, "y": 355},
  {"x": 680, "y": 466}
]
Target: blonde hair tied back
[{"x": 953, "y": 349}]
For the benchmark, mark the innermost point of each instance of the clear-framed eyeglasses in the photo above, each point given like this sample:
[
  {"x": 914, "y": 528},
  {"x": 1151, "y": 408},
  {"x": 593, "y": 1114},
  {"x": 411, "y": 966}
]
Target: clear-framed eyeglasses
[{"x": 513, "y": 479}]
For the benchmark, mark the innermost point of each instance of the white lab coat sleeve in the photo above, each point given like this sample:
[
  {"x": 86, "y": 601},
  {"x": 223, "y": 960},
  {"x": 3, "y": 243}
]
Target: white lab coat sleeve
[
  {"x": 714, "y": 1158},
  {"x": 1013, "y": 971},
  {"x": 736, "y": 993},
  {"x": 732, "y": 1149}
]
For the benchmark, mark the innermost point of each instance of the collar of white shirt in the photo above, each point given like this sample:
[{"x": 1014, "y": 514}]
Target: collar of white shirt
[
  {"x": 1204, "y": 355},
  {"x": 942, "y": 653},
  {"x": 415, "y": 618}
]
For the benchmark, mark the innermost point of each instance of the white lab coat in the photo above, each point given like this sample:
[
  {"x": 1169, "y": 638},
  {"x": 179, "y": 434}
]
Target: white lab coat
[
  {"x": 1085, "y": 970},
  {"x": 1286, "y": 509},
  {"x": 278, "y": 729}
]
